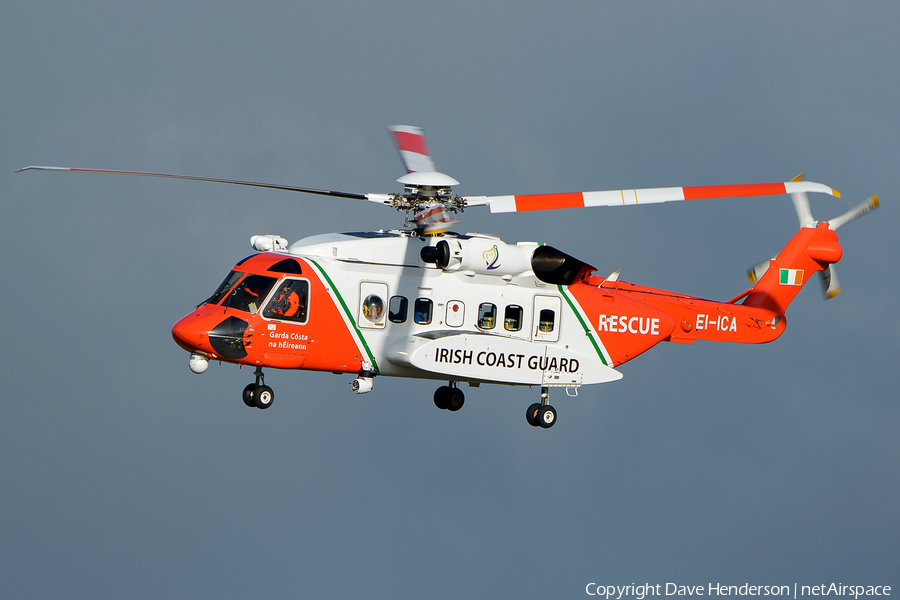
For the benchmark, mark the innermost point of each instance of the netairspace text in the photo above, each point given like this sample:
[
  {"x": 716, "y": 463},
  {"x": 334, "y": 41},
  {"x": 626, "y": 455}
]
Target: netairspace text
[{"x": 639, "y": 592}]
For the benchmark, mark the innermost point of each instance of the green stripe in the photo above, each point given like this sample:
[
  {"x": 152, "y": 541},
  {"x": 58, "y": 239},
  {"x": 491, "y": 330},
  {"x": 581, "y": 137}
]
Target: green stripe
[
  {"x": 346, "y": 311},
  {"x": 587, "y": 329}
]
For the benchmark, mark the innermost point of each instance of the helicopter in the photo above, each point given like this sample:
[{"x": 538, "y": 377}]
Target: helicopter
[{"x": 422, "y": 301}]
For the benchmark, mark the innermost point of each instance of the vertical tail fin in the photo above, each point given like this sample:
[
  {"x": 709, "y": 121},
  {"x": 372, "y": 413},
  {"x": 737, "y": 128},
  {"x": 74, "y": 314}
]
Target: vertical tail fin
[{"x": 809, "y": 251}]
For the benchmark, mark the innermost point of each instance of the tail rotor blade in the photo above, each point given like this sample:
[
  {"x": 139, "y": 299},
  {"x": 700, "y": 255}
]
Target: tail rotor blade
[
  {"x": 854, "y": 213},
  {"x": 756, "y": 272},
  {"x": 830, "y": 285},
  {"x": 801, "y": 206}
]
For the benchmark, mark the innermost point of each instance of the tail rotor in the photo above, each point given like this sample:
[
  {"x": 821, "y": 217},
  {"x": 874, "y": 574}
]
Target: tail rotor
[{"x": 830, "y": 285}]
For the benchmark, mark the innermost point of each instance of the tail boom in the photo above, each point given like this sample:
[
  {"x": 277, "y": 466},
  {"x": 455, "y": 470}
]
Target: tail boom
[
  {"x": 695, "y": 318},
  {"x": 630, "y": 318}
]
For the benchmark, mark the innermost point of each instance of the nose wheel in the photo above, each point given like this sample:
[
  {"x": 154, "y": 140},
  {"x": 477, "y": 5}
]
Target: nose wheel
[
  {"x": 258, "y": 395},
  {"x": 541, "y": 414}
]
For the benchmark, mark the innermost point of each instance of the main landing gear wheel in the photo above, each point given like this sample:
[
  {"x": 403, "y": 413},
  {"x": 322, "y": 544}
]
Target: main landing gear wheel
[
  {"x": 455, "y": 399},
  {"x": 541, "y": 414},
  {"x": 449, "y": 397},
  {"x": 546, "y": 416},
  {"x": 441, "y": 396}
]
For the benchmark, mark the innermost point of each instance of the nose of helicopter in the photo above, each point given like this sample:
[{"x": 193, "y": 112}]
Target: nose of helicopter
[
  {"x": 208, "y": 331},
  {"x": 190, "y": 333}
]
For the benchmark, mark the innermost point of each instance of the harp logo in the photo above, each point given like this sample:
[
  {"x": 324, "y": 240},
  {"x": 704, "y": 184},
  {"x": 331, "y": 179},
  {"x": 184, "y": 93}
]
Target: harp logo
[{"x": 491, "y": 257}]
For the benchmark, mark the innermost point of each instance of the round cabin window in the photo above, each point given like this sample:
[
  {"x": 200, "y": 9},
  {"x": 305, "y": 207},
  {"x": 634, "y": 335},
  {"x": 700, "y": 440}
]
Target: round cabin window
[{"x": 373, "y": 308}]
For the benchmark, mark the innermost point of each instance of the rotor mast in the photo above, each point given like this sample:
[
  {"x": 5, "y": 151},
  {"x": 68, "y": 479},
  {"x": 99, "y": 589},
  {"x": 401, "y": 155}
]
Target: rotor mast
[{"x": 428, "y": 201}]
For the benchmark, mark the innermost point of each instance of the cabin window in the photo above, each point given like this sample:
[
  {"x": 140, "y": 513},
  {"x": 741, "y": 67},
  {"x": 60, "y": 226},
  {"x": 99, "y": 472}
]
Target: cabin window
[
  {"x": 512, "y": 318},
  {"x": 546, "y": 321},
  {"x": 290, "y": 302},
  {"x": 397, "y": 309},
  {"x": 422, "y": 311},
  {"x": 373, "y": 308},
  {"x": 487, "y": 316},
  {"x": 249, "y": 293}
]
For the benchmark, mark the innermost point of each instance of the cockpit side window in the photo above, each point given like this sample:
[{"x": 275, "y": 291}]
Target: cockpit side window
[
  {"x": 223, "y": 288},
  {"x": 249, "y": 293},
  {"x": 290, "y": 302}
]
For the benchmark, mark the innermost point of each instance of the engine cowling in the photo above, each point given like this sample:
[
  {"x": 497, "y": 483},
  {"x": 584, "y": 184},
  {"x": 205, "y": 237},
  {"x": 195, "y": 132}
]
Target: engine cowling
[
  {"x": 492, "y": 256},
  {"x": 483, "y": 255}
]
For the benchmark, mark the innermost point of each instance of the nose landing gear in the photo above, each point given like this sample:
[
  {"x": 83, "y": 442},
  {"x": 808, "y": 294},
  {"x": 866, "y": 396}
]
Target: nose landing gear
[
  {"x": 541, "y": 414},
  {"x": 258, "y": 395}
]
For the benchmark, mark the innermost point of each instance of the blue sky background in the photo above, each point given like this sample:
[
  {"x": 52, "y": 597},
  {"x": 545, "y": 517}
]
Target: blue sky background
[{"x": 125, "y": 475}]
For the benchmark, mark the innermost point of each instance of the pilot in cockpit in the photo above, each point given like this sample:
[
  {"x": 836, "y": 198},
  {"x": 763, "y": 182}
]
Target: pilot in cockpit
[{"x": 288, "y": 303}]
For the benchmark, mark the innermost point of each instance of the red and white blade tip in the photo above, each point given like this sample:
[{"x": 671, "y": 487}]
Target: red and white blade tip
[{"x": 413, "y": 148}]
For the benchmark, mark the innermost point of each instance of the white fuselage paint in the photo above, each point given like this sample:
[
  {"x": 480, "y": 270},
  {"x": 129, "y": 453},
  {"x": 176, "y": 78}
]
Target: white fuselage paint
[{"x": 455, "y": 348}]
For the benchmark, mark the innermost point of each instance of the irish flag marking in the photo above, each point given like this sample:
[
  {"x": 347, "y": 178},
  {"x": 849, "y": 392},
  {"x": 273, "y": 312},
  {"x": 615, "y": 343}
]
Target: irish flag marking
[{"x": 791, "y": 277}]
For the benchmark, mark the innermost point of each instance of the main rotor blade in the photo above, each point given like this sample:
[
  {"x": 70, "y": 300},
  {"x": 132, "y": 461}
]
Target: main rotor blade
[
  {"x": 275, "y": 186},
  {"x": 413, "y": 149},
  {"x": 501, "y": 204}
]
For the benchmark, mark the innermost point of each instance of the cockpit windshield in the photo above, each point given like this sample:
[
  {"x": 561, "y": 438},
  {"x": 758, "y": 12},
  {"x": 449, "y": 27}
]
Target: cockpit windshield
[
  {"x": 223, "y": 288},
  {"x": 249, "y": 293}
]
